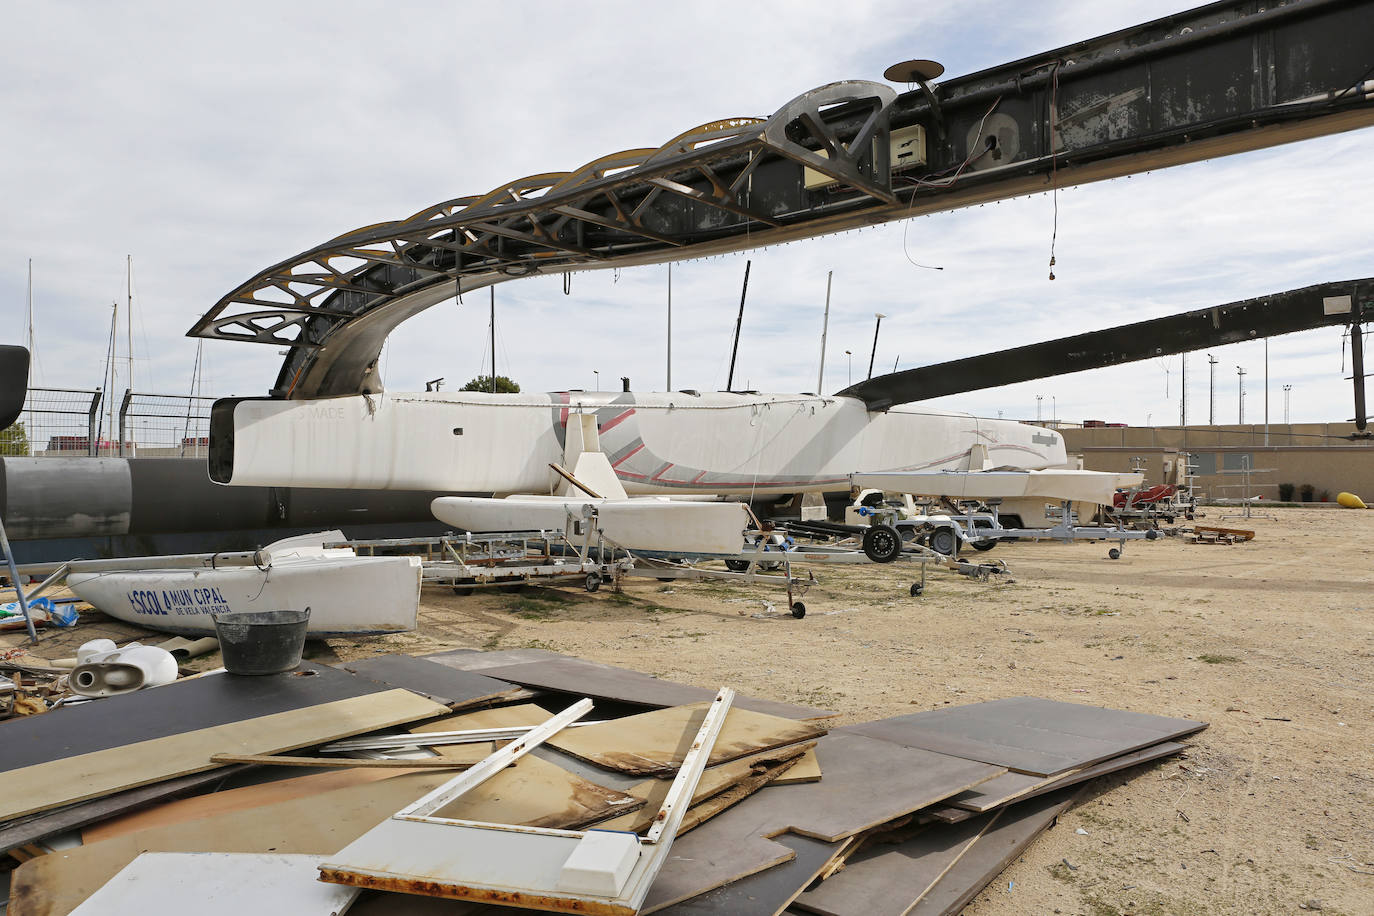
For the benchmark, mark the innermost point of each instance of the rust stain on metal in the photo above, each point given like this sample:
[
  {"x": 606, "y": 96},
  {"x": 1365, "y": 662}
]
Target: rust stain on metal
[{"x": 431, "y": 888}]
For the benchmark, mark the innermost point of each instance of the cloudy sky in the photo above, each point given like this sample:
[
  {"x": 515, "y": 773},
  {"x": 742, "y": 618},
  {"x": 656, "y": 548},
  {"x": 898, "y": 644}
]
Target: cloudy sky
[{"x": 209, "y": 141}]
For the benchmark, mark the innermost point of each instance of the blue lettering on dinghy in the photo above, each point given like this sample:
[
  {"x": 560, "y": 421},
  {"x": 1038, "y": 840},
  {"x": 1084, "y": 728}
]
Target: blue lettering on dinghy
[{"x": 180, "y": 601}]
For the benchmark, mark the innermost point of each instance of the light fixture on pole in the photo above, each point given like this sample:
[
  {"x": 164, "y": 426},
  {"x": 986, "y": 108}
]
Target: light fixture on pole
[
  {"x": 849, "y": 354},
  {"x": 880, "y": 316},
  {"x": 1038, "y": 399},
  {"x": 598, "y": 379},
  {"x": 1287, "y": 390},
  {"x": 1240, "y": 380}
]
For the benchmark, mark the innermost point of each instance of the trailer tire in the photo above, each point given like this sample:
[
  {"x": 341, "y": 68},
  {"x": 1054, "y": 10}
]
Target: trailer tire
[
  {"x": 882, "y": 543},
  {"x": 737, "y": 565},
  {"x": 593, "y": 582},
  {"x": 916, "y": 589},
  {"x": 798, "y": 610},
  {"x": 987, "y": 544},
  {"x": 1114, "y": 554},
  {"x": 945, "y": 541}
]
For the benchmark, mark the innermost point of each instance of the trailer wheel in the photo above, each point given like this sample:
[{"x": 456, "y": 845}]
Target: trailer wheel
[
  {"x": 916, "y": 589},
  {"x": 798, "y": 610},
  {"x": 593, "y": 582},
  {"x": 987, "y": 544},
  {"x": 462, "y": 590},
  {"x": 1114, "y": 554},
  {"x": 737, "y": 565},
  {"x": 882, "y": 543},
  {"x": 945, "y": 541}
]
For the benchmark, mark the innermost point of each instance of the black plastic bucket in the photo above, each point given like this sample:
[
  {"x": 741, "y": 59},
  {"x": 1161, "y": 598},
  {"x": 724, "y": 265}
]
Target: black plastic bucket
[{"x": 261, "y": 642}]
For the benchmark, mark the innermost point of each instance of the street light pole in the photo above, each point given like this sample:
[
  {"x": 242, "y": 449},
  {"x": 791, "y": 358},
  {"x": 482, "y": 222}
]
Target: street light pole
[
  {"x": 850, "y": 355},
  {"x": 1211, "y": 390},
  {"x": 598, "y": 379},
  {"x": 1287, "y": 389},
  {"x": 1240, "y": 395},
  {"x": 880, "y": 316},
  {"x": 1038, "y": 399}
]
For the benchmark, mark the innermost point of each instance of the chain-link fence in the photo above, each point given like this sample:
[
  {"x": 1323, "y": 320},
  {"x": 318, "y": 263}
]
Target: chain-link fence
[
  {"x": 70, "y": 422},
  {"x": 165, "y": 425},
  {"x": 55, "y": 421}
]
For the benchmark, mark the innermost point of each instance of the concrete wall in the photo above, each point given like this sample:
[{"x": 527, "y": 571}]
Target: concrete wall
[{"x": 1316, "y": 454}]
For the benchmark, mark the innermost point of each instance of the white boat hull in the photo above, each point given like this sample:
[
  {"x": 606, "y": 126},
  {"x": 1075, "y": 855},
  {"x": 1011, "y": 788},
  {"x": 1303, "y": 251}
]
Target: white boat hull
[
  {"x": 347, "y": 596},
  {"x": 650, "y": 526}
]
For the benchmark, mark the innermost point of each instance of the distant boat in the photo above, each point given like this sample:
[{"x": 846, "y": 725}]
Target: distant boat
[{"x": 348, "y": 595}]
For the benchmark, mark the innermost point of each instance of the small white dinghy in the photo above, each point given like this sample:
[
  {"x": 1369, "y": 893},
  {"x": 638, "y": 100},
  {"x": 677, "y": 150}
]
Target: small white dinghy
[
  {"x": 348, "y": 595},
  {"x": 653, "y": 526}
]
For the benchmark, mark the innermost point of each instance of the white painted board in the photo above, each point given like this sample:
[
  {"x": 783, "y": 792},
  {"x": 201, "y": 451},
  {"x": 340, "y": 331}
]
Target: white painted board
[{"x": 218, "y": 884}]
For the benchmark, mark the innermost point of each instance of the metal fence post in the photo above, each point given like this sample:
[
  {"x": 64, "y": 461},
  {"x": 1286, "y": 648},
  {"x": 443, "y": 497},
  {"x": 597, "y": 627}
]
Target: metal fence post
[
  {"x": 123, "y": 413},
  {"x": 92, "y": 446}
]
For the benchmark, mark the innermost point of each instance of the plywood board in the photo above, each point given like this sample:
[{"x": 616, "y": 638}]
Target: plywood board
[
  {"x": 536, "y": 793},
  {"x": 1015, "y": 829},
  {"x": 318, "y": 824},
  {"x": 867, "y": 782},
  {"x": 768, "y": 892},
  {"x": 887, "y": 879},
  {"x": 191, "y": 704},
  {"x": 1029, "y": 734},
  {"x": 655, "y": 743},
  {"x": 582, "y": 678},
  {"x": 73, "y": 817},
  {"x": 48, "y": 785},
  {"x": 758, "y": 770},
  {"x": 807, "y": 769},
  {"x": 440, "y": 683},
  {"x": 54, "y": 884},
  {"x": 415, "y": 761},
  {"x": 218, "y": 884},
  {"x": 527, "y": 714},
  {"x": 988, "y": 796},
  {"x": 228, "y": 801}
]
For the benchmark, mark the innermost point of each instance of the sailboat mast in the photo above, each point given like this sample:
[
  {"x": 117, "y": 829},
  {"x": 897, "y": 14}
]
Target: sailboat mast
[
  {"x": 825, "y": 328},
  {"x": 33, "y": 358},
  {"x": 129, "y": 318},
  {"x": 109, "y": 380}
]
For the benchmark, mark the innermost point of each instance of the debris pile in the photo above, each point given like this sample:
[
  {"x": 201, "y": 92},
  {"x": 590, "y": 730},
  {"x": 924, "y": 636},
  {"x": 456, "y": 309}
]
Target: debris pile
[{"x": 522, "y": 780}]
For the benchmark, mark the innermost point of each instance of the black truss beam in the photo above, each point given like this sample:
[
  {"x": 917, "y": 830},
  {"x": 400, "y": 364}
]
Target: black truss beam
[
  {"x": 1221, "y": 79},
  {"x": 1346, "y": 303}
]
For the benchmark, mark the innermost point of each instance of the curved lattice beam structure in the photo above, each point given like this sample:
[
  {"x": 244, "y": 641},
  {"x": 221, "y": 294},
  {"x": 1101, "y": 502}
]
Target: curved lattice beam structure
[{"x": 1225, "y": 78}]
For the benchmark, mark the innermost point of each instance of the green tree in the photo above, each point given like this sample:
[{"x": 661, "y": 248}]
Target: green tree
[
  {"x": 483, "y": 383},
  {"x": 14, "y": 440}
]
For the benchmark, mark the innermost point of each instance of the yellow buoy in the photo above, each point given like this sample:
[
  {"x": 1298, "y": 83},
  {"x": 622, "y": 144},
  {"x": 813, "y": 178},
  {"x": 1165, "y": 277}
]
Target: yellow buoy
[{"x": 1350, "y": 501}]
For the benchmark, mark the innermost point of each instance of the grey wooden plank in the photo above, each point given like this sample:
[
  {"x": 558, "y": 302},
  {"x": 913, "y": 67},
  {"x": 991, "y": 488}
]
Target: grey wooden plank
[
  {"x": 563, "y": 673},
  {"x": 768, "y": 892},
  {"x": 184, "y": 706},
  {"x": 441, "y": 683},
  {"x": 39, "y": 826},
  {"x": 478, "y": 660},
  {"x": 867, "y": 782},
  {"x": 997, "y": 791},
  {"x": 1016, "y": 828},
  {"x": 988, "y": 796},
  {"x": 1029, "y": 735},
  {"x": 887, "y": 879}
]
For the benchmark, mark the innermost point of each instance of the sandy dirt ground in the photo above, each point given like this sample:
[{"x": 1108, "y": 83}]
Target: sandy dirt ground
[{"x": 1271, "y": 810}]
